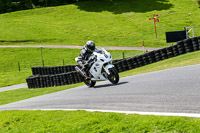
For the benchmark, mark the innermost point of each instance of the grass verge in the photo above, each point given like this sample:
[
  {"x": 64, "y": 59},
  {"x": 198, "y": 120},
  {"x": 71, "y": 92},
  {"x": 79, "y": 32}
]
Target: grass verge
[
  {"x": 93, "y": 122},
  {"x": 13, "y": 78}
]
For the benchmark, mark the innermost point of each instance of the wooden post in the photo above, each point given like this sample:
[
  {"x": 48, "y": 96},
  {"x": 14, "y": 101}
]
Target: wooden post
[
  {"x": 143, "y": 46},
  {"x": 43, "y": 63},
  {"x": 123, "y": 55},
  {"x": 42, "y": 57},
  {"x": 19, "y": 66}
]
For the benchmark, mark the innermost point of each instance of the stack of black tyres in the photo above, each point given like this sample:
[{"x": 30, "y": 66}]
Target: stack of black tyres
[
  {"x": 53, "y": 76},
  {"x": 146, "y": 59},
  {"x": 65, "y": 75},
  {"x": 140, "y": 60},
  {"x": 119, "y": 66},
  {"x": 170, "y": 52},
  {"x": 158, "y": 55},
  {"x": 175, "y": 50},
  {"x": 188, "y": 45},
  {"x": 181, "y": 48},
  {"x": 151, "y": 57},
  {"x": 130, "y": 63},
  {"x": 135, "y": 62},
  {"x": 195, "y": 43},
  {"x": 52, "y": 70},
  {"x": 163, "y": 52}
]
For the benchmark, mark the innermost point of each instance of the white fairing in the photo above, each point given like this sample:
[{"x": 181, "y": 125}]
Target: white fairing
[
  {"x": 103, "y": 59},
  {"x": 76, "y": 59}
]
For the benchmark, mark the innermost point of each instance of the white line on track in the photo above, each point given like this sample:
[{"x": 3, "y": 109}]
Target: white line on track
[{"x": 132, "y": 112}]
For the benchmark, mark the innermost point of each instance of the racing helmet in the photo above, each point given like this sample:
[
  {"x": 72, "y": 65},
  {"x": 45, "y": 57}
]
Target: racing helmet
[{"x": 90, "y": 46}]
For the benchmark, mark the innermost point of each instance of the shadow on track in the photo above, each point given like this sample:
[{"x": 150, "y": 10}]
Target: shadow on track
[{"x": 107, "y": 85}]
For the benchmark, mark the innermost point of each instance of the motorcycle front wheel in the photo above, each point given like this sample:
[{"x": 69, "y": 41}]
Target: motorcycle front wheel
[
  {"x": 114, "y": 76},
  {"x": 89, "y": 82}
]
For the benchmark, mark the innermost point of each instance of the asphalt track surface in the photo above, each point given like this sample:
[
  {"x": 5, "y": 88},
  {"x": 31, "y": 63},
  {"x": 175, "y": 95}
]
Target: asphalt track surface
[
  {"x": 13, "y": 87},
  {"x": 172, "y": 91}
]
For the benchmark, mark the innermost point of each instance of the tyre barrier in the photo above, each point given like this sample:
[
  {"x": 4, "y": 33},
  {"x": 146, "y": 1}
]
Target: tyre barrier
[
  {"x": 41, "y": 81},
  {"x": 66, "y": 75},
  {"x": 52, "y": 70}
]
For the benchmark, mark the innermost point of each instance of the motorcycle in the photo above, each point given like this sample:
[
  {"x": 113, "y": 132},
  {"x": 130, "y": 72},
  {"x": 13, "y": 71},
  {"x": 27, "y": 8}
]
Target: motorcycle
[{"x": 100, "y": 68}]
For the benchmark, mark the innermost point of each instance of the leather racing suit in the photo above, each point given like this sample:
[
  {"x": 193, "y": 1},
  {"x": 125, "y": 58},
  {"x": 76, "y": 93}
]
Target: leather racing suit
[{"x": 83, "y": 58}]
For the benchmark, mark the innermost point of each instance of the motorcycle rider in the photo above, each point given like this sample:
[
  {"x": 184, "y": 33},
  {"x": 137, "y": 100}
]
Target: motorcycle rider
[{"x": 85, "y": 53}]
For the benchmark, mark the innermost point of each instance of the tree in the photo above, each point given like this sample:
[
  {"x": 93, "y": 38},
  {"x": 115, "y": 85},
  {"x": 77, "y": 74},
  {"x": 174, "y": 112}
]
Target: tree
[
  {"x": 25, "y": 4},
  {"x": 5, "y": 6}
]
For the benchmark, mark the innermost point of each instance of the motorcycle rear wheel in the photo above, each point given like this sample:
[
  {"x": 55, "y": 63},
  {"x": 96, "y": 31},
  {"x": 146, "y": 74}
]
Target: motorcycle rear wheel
[
  {"x": 114, "y": 76},
  {"x": 89, "y": 82}
]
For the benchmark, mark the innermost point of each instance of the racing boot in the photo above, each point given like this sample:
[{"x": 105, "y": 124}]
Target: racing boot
[
  {"x": 82, "y": 71},
  {"x": 85, "y": 71}
]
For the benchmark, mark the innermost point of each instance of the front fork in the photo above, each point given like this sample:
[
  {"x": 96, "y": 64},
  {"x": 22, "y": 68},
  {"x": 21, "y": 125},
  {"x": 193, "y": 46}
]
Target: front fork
[{"x": 107, "y": 67}]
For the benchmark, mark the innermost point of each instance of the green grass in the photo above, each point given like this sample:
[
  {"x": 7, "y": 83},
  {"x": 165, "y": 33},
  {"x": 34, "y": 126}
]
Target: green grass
[
  {"x": 93, "y": 122},
  {"x": 30, "y": 57},
  {"x": 108, "y": 23},
  {"x": 13, "y": 78}
]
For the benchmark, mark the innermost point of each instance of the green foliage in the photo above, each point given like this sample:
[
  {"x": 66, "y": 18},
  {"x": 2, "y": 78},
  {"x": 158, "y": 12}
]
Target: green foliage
[
  {"x": 25, "y": 4},
  {"x": 93, "y": 122},
  {"x": 5, "y": 6},
  {"x": 45, "y": 3},
  {"x": 15, "y": 5}
]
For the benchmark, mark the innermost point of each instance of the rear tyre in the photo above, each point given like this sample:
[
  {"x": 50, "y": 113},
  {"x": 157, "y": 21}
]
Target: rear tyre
[
  {"x": 89, "y": 82},
  {"x": 114, "y": 76}
]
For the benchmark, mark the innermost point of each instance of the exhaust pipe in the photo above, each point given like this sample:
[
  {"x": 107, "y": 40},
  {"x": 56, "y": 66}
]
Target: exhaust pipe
[{"x": 81, "y": 72}]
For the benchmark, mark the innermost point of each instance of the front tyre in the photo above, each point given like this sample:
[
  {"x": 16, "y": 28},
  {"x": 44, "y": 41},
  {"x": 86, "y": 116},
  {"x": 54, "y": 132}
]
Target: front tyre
[
  {"x": 89, "y": 82},
  {"x": 114, "y": 76}
]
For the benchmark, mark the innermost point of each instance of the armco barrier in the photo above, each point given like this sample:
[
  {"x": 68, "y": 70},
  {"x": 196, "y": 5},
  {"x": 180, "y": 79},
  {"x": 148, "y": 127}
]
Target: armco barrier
[{"x": 65, "y": 75}]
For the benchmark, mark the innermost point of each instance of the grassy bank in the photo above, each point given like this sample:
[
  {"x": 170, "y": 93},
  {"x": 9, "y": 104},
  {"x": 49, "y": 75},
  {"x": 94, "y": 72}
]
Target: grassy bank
[
  {"x": 85, "y": 122},
  {"x": 108, "y": 23},
  {"x": 31, "y": 57}
]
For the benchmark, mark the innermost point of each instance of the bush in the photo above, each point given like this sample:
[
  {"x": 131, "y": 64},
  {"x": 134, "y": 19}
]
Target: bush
[
  {"x": 5, "y": 6},
  {"x": 52, "y": 2},
  {"x": 16, "y": 5},
  {"x": 25, "y": 4}
]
